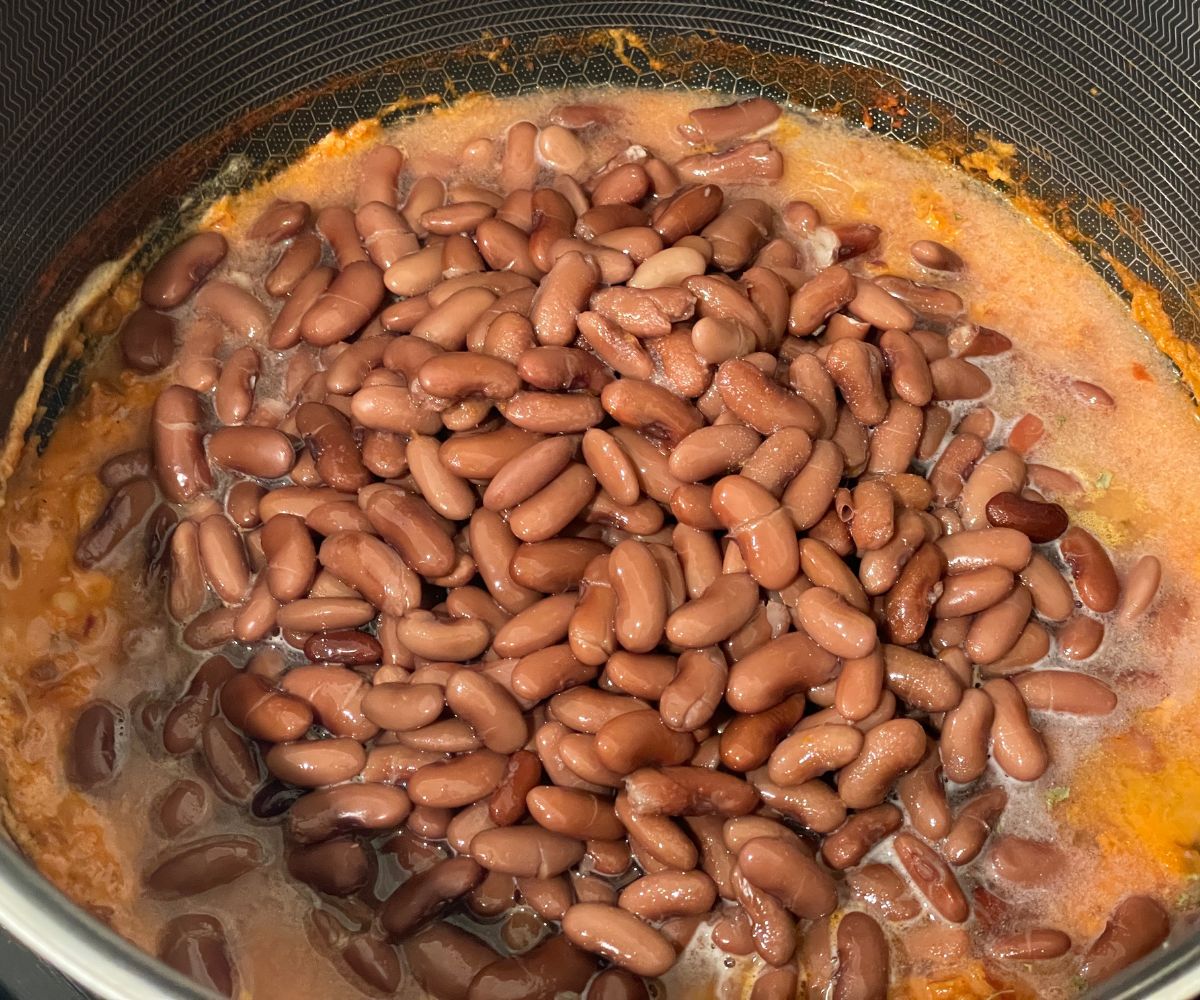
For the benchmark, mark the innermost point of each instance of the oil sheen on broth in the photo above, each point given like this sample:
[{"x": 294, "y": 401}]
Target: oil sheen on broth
[{"x": 1118, "y": 798}]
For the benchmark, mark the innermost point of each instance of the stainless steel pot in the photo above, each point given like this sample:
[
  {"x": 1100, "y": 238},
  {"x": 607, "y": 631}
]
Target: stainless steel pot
[{"x": 110, "y": 110}]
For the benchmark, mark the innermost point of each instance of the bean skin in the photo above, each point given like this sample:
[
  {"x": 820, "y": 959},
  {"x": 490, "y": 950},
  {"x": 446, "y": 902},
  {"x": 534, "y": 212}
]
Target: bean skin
[
  {"x": 1017, "y": 747},
  {"x": 1095, "y": 579},
  {"x": 862, "y": 952},
  {"x": 1065, "y": 691},
  {"x": 618, "y": 936},
  {"x": 965, "y": 732},
  {"x": 934, "y": 880},
  {"x": 971, "y": 827},
  {"x": 889, "y": 750},
  {"x": 846, "y": 846},
  {"x": 1030, "y": 945},
  {"x": 427, "y": 893},
  {"x": 1135, "y": 928}
]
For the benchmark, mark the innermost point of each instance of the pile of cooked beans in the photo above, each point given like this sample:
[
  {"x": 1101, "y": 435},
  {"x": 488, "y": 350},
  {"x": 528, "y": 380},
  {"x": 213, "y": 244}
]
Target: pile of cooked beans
[{"x": 611, "y": 542}]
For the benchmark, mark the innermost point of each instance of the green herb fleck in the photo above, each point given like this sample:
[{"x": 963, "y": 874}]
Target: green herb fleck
[
  {"x": 1056, "y": 795},
  {"x": 1079, "y": 983},
  {"x": 1189, "y": 897},
  {"x": 1060, "y": 420},
  {"x": 1104, "y": 480}
]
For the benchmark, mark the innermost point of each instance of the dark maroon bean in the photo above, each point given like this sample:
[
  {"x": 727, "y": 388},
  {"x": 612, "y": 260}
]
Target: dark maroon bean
[
  {"x": 273, "y": 800},
  {"x": 1042, "y": 522},
  {"x": 337, "y": 867},
  {"x": 195, "y": 945},
  {"x": 96, "y": 744},
  {"x": 203, "y": 864},
  {"x": 349, "y": 647}
]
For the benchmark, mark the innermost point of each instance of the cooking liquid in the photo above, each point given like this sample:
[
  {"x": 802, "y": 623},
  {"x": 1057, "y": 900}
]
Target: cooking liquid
[{"x": 1121, "y": 793}]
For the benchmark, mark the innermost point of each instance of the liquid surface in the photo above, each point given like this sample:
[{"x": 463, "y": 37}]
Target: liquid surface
[{"x": 1121, "y": 792}]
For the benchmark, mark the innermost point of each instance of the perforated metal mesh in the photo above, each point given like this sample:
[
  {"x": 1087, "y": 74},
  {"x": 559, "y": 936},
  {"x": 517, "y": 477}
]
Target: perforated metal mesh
[{"x": 99, "y": 97}]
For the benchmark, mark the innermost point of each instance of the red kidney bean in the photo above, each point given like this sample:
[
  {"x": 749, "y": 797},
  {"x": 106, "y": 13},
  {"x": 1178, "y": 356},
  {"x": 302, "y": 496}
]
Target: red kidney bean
[
  {"x": 178, "y": 272},
  {"x": 550, "y": 968},
  {"x": 125, "y": 510},
  {"x": 790, "y": 875},
  {"x": 862, "y": 952},
  {"x": 1095, "y": 579},
  {"x": 971, "y": 550},
  {"x": 1024, "y": 862},
  {"x": 312, "y": 763},
  {"x": 489, "y": 709},
  {"x": 444, "y": 959},
  {"x": 932, "y": 878},
  {"x": 635, "y": 739},
  {"x": 587, "y": 710},
  {"x": 882, "y": 888},
  {"x": 147, "y": 340},
  {"x": 184, "y": 722},
  {"x": 458, "y": 782},
  {"x": 777, "y": 669},
  {"x": 347, "y": 808},
  {"x": 834, "y": 625},
  {"x": 96, "y": 745},
  {"x": 846, "y": 846},
  {"x": 618, "y": 984},
  {"x": 667, "y": 894},
  {"x": 1065, "y": 691},
  {"x": 1136, "y": 926},
  {"x": 346, "y": 305},
  {"x": 1080, "y": 637},
  {"x": 772, "y": 927},
  {"x": 184, "y": 806},
  {"x": 1030, "y": 945},
  {"x": 1016, "y": 746},
  {"x": 689, "y": 791},
  {"x": 291, "y": 556},
  {"x": 1141, "y": 587},
  {"x": 183, "y": 471},
  {"x": 526, "y": 851},
  {"x": 974, "y": 822},
  {"x": 965, "y": 732},
  {"x": 889, "y": 749},
  {"x": 428, "y": 893},
  {"x": 618, "y": 936},
  {"x": 230, "y": 760},
  {"x": 195, "y": 945},
  {"x": 348, "y": 647},
  {"x": 812, "y": 752},
  {"x": 1042, "y": 522},
  {"x": 921, "y": 681},
  {"x": 203, "y": 864},
  {"x": 924, "y": 797},
  {"x": 335, "y": 867}
]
